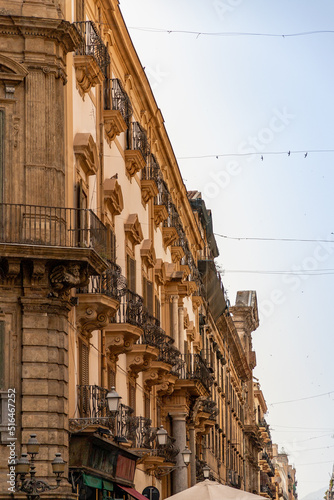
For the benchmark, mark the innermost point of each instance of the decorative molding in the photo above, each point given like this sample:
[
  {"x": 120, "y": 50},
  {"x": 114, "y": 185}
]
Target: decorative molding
[
  {"x": 88, "y": 73},
  {"x": 177, "y": 253},
  {"x": 120, "y": 338},
  {"x": 140, "y": 357},
  {"x": 160, "y": 272},
  {"x": 147, "y": 253},
  {"x": 160, "y": 214},
  {"x": 94, "y": 312},
  {"x": 149, "y": 189},
  {"x": 114, "y": 124},
  {"x": 169, "y": 235},
  {"x": 113, "y": 196},
  {"x": 85, "y": 151},
  {"x": 133, "y": 229},
  {"x": 65, "y": 276},
  {"x": 134, "y": 161}
]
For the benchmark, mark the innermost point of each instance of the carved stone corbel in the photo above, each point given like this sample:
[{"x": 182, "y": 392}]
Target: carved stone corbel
[{"x": 68, "y": 275}]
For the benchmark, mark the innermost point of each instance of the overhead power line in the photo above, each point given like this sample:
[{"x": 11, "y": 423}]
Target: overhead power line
[
  {"x": 304, "y": 240},
  {"x": 230, "y": 33},
  {"x": 303, "y": 399},
  {"x": 302, "y": 272},
  {"x": 262, "y": 154}
]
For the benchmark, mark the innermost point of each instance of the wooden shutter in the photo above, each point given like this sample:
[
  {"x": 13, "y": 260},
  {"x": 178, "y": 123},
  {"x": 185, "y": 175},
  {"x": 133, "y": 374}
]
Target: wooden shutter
[
  {"x": 131, "y": 273},
  {"x": 157, "y": 309},
  {"x": 149, "y": 296},
  {"x": 132, "y": 395},
  {"x": 83, "y": 363},
  {"x": 147, "y": 405},
  {"x": 111, "y": 377}
]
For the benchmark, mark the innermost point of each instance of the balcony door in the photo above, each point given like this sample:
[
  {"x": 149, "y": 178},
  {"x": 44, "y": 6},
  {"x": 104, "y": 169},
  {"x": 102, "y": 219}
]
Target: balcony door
[{"x": 2, "y": 152}]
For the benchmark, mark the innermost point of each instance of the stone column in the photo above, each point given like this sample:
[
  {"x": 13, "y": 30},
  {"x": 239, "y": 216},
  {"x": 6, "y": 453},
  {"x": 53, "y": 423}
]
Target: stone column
[
  {"x": 180, "y": 474},
  {"x": 181, "y": 329},
  {"x": 192, "y": 446},
  {"x": 175, "y": 320},
  {"x": 45, "y": 379}
]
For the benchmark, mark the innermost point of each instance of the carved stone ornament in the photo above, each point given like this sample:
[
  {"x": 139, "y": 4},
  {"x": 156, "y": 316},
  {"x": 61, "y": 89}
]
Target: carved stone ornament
[
  {"x": 113, "y": 196},
  {"x": 94, "y": 312},
  {"x": 160, "y": 214},
  {"x": 65, "y": 276},
  {"x": 114, "y": 124},
  {"x": 85, "y": 151},
  {"x": 149, "y": 189},
  {"x": 169, "y": 235},
  {"x": 134, "y": 161},
  {"x": 87, "y": 72},
  {"x": 147, "y": 253},
  {"x": 133, "y": 229}
]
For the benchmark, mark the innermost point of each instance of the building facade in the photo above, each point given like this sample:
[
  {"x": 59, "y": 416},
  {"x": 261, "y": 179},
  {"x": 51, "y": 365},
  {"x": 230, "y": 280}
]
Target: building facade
[{"x": 107, "y": 273}]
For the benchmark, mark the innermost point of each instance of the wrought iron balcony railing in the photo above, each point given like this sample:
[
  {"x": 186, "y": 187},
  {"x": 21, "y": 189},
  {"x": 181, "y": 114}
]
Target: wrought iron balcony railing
[
  {"x": 92, "y": 44},
  {"x": 210, "y": 407},
  {"x": 130, "y": 309},
  {"x": 116, "y": 98},
  {"x": 163, "y": 197},
  {"x": 137, "y": 139},
  {"x": 110, "y": 283},
  {"x": 155, "y": 336},
  {"x": 152, "y": 170},
  {"x": 93, "y": 404},
  {"x": 173, "y": 219},
  {"x": 194, "y": 368},
  {"x": 266, "y": 457},
  {"x": 51, "y": 226}
]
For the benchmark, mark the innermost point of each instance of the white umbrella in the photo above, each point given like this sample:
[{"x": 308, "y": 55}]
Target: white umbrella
[{"x": 212, "y": 490}]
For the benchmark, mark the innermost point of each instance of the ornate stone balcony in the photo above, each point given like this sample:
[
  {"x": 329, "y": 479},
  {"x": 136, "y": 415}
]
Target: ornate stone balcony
[
  {"x": 137, "y": 151},
  {"x": 100, "y": 299},
  {"x": 194, "y": 375},
  {"x": 117, "y": 109},
  {"x": 126, "y": 327},
  {"x": 91, "y": 57}
]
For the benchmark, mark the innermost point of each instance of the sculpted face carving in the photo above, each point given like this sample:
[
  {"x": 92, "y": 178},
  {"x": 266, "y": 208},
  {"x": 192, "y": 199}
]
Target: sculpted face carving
[{"x": 66, "y": 276}]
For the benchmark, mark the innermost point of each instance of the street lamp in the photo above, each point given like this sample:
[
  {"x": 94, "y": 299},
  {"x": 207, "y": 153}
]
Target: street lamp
[
  {"x": 113, "y": 399},
  {"x": 162, "y": 436},
  {"x": 186, "y": 454},
  {"x": 206, "y": 471},
  {"x": 31, "y": 485}
]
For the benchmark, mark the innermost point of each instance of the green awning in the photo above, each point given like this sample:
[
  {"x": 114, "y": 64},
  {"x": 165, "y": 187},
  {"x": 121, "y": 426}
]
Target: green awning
[
  {"x": 107, "y": 485},
  {"x": 93, "y": 482}
]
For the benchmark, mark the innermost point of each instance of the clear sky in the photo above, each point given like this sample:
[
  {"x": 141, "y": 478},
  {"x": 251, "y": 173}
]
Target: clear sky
[{"x": 237, "y": 94}]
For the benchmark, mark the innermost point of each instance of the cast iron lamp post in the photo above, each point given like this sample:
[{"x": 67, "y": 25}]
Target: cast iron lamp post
[{"x": 25, "y": 471}]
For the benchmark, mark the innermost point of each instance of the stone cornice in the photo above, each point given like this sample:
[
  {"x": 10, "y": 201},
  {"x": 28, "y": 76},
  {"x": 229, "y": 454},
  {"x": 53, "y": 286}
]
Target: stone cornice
[{"x": 59, "y": 30}]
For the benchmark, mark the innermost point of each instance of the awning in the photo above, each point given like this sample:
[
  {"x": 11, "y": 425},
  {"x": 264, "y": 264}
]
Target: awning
[
  {"x": 93, "y": 482},
  {"x": 134, "y": 493},
  {"x": 97, "y": 483}
]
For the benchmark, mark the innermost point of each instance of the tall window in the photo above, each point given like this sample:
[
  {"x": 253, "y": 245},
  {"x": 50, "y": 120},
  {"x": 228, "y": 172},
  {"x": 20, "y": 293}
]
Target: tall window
[
  {"x": 148, "y": 295},
  {"x": 131, "y": 273},
  {"x": 132, "y": 394},
  {"x": 83, "y": 363}
]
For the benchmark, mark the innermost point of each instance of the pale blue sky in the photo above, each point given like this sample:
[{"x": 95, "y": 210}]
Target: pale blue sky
[{"x": 225, "y": 95}]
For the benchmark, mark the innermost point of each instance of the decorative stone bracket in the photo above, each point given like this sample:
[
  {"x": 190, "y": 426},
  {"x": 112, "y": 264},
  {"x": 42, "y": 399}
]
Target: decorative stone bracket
[
  {"x": 120, "y": 338},
  {"x": 140, "y": 357},
  {"x": 114, "y": 124},
  {"x": 134, "y": 161},
  {"x": 94, "y": 312},
  {"x": 65, "y": 276},
  {"x": 160, "y": 214},
  {"x": 87, "y": 72},
  {"x": 85, "y": 151},
  {"x": 169, "y": 235},
  {"x": 149, "y": 189},
  {"x": 113, "y": 196}
]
